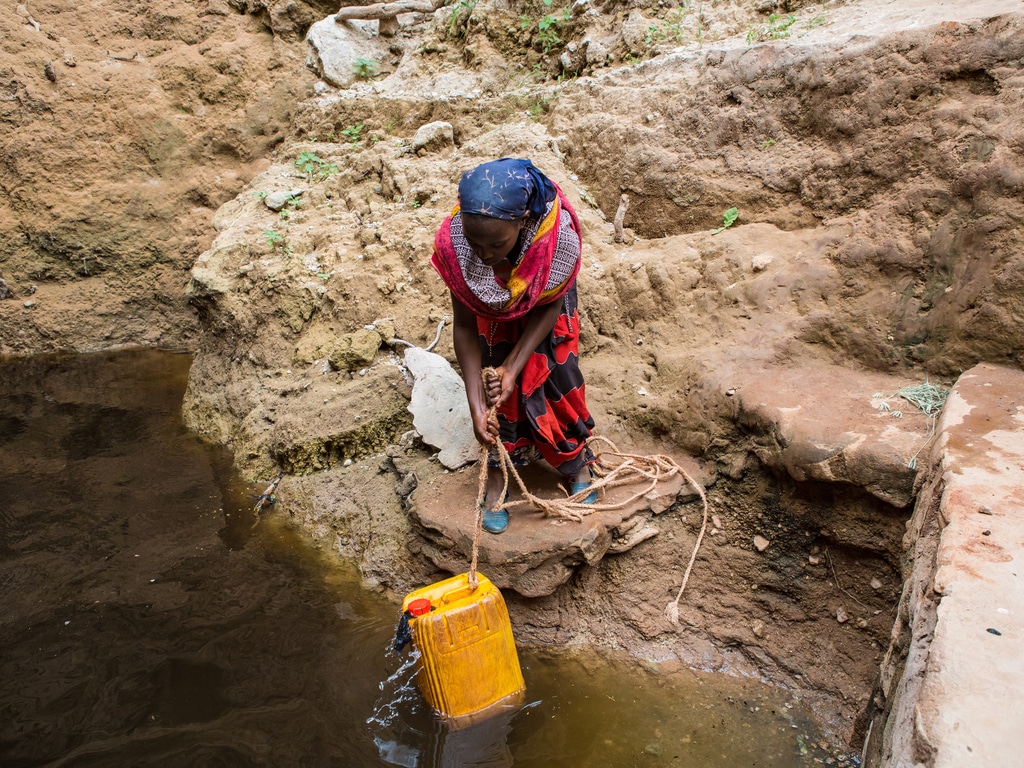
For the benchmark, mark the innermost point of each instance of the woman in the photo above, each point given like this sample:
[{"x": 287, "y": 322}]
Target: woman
[{"x": 509, "y": 254}]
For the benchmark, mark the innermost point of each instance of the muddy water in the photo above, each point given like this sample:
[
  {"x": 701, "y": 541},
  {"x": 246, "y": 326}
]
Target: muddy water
[{"x": 145, "y": 621}]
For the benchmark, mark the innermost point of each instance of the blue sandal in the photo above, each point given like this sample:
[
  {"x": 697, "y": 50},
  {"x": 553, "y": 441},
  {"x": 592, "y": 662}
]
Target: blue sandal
[
  {"x": 496, "y": 520},
  {"x": 582, "y": 485}
]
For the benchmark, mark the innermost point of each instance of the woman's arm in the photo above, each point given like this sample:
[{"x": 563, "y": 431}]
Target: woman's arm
[
  {"x": 542, "y": 321},
  {"x": 467, "y": 351}
]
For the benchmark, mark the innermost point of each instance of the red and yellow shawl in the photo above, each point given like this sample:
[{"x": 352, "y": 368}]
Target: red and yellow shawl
[{"x": 530, "y": 283}]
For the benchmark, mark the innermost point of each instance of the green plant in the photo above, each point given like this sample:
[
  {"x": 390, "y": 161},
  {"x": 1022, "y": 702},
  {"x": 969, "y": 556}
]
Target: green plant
[
  {"x": 459, "y": 22},
  {"x": 353, "y": 133},
  {"x": 537, "y": 107},
  {"x": 274, "y": 238},
  {"x": 314, "y": 166},
  {"x": 262, "y": 194},
  {"x": 547, "y": 26},
  {"x": 776, "y": 29},
  {"x": 816, "y": 21},
  {"x": 365, "y": 69},
  {"x": 728, "y": 219},
  {"x": 769, "y": 142},
  {"x": 928, "y": 398},
  {"x": 669, "y": 29}
]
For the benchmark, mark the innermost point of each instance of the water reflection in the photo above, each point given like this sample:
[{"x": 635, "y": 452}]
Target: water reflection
[{"x": 144, "y": 621}]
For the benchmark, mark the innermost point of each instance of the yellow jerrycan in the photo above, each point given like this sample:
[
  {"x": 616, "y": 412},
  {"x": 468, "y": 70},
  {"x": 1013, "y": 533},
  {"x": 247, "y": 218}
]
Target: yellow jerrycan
[{"x": 468, "y": 661}]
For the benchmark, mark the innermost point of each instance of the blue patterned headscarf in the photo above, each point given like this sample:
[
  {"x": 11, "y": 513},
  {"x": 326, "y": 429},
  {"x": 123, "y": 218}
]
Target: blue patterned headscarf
[{"x": 505, "y": 189}]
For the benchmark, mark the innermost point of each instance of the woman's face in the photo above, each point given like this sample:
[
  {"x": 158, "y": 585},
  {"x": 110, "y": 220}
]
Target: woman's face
[{"x": 491, "y": 239}]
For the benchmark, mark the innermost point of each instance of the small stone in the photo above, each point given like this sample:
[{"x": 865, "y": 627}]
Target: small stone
[
  {"x": 69, "y": 59},
  {"x": 716, "y": 521},
  {"x": 761, "y": 543},
  {"x": 841, "y": 615},
  {"x": 876, "y": 584},
  {"x": 813, "y": 559},
  {"x": 761, "y": 262},
  {"x": 275, "y": 201},
  {"x": 642, "y": 392},
  {"x": 50, "y": 72},
  {"x": 29, "y": 304},
  {"x": 862, "y": 623},
  {"x": 984, "y": 509},
  {"x": 757, "y": 628}
]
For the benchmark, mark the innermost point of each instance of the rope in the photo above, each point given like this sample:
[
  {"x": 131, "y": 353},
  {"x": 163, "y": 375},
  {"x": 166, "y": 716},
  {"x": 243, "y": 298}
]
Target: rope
[{"x": 613, "y": 469}]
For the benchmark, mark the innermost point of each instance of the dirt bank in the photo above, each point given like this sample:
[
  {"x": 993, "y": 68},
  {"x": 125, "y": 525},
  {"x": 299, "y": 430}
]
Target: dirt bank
[{"x": 874, "y": 156}]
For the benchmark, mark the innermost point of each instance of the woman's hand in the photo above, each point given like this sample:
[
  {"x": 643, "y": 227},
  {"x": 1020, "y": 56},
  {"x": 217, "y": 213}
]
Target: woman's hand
[
  {"x": 485, "y": 429},
  {"x": 500, "y": 385}
]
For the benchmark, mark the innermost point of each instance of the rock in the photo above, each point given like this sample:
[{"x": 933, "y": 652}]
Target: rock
[
  {"x": 275, "y": 201},
  {"x": 433, "y": 137},
  {"x": 4, "y": 290},
  {"x": 760, "y": 262},
  {"x": 336, "y": 50},
  {"x": 353, "y": 350},
  {"x": 634, "y": 32},
  {"x": 50, "y": 72},
  {"x": 385, "y": 326},
  {"x": 634, "y": 536},
  {"x": 597, "y": 53},
  {"x": 662, "y": 497},
  {"x": 573, "y": 58},
  {"x": 841, "y": 615},
  {"x": 813, "y": 559},
  {"x": 876, "y": 584},
  {"x": 439, "y": 409},
  {"x": 757, "y": 628},
  {"x": 716, "y": 521},
  {"x": 761, "y": 543},
  {"x": 69, "y": 59}
]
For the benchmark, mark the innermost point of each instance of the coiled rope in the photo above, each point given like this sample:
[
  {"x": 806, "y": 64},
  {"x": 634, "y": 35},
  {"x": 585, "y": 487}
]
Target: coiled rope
[{"x": 612, "y": 470}]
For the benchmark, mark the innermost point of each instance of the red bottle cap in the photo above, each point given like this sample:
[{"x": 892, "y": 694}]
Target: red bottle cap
[{"x": 419, "y": 607}]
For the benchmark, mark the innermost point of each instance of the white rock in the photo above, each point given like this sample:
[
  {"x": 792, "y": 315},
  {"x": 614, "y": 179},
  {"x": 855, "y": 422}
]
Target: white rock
[
  {"x": 433, "y": 137},
  {"x": 335, "y": 49},
  {"x": 761, "y": 543},
  {"x": 761, "y": 261},
  {"x": 439, "y": 409}
]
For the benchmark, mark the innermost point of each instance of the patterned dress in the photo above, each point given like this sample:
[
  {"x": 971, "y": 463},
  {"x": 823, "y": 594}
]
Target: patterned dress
[{"x": 547, "y": 413}]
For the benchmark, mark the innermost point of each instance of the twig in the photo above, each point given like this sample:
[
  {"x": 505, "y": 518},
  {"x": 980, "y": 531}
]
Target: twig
[
  {"x": 836, "y": 579},
  {"x": 386, "y": 10},
  {"x": 437, "y": 338},
  {"x": 620, "y": 217}
]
